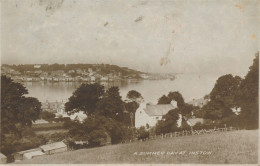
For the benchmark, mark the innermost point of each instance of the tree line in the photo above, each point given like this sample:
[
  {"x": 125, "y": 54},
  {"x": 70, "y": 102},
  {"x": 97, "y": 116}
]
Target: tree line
[{"x": 232, "y": 102}]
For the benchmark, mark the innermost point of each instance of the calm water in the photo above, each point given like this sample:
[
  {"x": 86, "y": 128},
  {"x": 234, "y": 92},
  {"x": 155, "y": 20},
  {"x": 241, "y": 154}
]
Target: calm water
[{"x": 189, "y": 85}]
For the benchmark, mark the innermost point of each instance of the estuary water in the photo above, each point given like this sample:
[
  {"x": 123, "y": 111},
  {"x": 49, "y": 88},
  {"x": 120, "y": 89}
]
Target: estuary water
[{"x": 191, "y": 86}]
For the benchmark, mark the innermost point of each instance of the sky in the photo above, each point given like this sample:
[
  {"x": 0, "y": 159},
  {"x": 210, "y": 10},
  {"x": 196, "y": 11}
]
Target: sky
[{"x": 166, "y": 36}]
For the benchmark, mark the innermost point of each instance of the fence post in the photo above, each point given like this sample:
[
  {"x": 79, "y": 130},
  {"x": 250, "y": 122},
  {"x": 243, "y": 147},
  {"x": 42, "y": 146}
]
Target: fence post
[{"x": 175, "y": 134}]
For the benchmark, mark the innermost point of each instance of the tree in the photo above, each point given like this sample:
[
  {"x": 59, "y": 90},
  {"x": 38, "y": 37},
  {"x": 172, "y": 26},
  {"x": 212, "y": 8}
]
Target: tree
[
  {"x": 96, "y": 129},
  {"x": 247, "y": 96},
  {"x": 222, "y": 99},
  {"x": 177, "y": 97},
  {"x": 111, "y": 105},
  {"x": 168, "y": 122},
  {"x": 164, "y": 100},
  {"x": 47, "y": 115},
  {"x": 186, "y": 109},
  {"x": 216, "y": 110},
  {"x": 134, "y": 96},
  {"x": 85, "y": 98},
  {"x": 142, "y": 133},
  {"x": 225, "y": 90},
  {"x": 16, "y": 110},
  {"x": 17, "y": 114}
]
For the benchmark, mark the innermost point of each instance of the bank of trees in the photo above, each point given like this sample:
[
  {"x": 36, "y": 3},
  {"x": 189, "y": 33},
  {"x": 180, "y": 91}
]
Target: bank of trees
[
  {"x": 17, "y": 114},
  {"x": 233, "y": 102},
  {"x": 234, "y": 93},
  {"x": 107, "y": 114}
]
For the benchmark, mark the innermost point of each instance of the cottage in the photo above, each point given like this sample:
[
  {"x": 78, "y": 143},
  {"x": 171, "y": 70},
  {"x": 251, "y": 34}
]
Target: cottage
[
  {"x": 37, "y": 66},
  {"x": 150, "y": 114},
  {"x": 52, "y": 148},
  {"x": 199, "y": 102},
  {"x": 78, "y": 116},
  {"x": 193, "y": 121},
  {"x": 40, "y": 121},
  {"x": 3, "y": 158},
  {"x": 92, "y": 79},
  {"x": 27, "y": 154}
]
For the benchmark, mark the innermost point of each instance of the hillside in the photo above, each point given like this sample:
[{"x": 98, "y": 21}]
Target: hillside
[
  {"x": 100, "y": 68},
  {"x": 236, "y": 147}
]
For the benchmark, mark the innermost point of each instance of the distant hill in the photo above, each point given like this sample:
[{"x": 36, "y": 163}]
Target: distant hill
[{"x": 99, "y": 68}]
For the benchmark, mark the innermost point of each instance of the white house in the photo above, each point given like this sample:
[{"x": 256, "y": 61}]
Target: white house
[
  {"x": 80, "y": 116},
  {"x": 52, "y": 148},
  {"x": 37, "y": 66},
  {"x": 27, "y": 154},
  {"x": 40, "y": 121},
  {"x": 150, "y": 114}
]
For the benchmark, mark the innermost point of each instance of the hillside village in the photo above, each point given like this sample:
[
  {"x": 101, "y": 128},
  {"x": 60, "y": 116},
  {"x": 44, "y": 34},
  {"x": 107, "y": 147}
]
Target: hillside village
[{"x": 76, "y": 73}]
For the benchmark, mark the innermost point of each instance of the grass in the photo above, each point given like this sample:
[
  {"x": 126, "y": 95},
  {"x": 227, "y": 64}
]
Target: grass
[
  {"x": 235, "y": 147},
  {"x": 50, "y": 132},
  {"x": 47, "y": 125},
  {"x": 48, "y": 128}
]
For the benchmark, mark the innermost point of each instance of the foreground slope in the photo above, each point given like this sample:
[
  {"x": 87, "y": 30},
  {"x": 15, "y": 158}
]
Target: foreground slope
[{"x": 236, "y": 147}]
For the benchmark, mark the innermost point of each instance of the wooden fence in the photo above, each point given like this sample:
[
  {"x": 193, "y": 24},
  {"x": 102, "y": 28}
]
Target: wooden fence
[{"x": 185, "y": 133}]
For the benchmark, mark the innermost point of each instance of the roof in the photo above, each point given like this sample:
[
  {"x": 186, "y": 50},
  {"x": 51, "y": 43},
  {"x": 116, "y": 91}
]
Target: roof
[
  {"x": 32, "y": 154},
  {"x": 80, "y": 116},
  {"x": 28, "y": 151},
  {"x": 194, "y": 121},
  {"x": 199, "y": 102},
  {"x": 52, "y": 146},
  {"x": 40, "y": 121},
  {"x": 2, "y": 155},
  {"x": 158, "y": 110}
]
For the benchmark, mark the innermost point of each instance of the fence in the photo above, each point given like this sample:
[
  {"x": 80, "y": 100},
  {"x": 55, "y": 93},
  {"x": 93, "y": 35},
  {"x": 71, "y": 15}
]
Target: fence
[{"x": 185, "y": 133}]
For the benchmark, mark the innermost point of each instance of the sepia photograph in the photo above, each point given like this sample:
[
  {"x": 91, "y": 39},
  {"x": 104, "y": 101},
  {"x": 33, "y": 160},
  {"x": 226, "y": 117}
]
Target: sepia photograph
[{"x": 129, "y": 82}]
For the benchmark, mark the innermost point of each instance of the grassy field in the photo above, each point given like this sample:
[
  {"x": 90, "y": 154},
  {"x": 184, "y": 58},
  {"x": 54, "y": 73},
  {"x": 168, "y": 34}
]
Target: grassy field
[
  {"x": 49, "y": 128},
  {"x": 235, "y": 147}
]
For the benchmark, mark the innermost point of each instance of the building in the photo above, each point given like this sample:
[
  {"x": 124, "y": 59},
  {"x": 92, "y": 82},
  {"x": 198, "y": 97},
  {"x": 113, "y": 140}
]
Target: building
[
  {"x": 199, "y": 102},
  {"x": 56, "y": 147},
  {"x": 193, "y": 121},
  {"x": 37, "y": 66},
  {"x": 79, "y": 116},
  {"x": 92, "y": 79},
  {"x": 27, "y": 154},
  {"x": 90, "y": 70},
  {"x": 53, "y": 107},
  {"x": 40, "y": 121},
  {"x": 150, "y": 114},
  {"x": 3, "y": 158}
]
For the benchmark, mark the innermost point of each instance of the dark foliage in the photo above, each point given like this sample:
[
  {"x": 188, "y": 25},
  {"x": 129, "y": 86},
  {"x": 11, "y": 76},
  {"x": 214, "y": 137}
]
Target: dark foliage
[
  {"x": 164, "y": 100},
  {"x": 46, "y": 115},
  {"x": 85, "y": 98},
  {"x": 168, "y": 122},
  {"x": 134, "y": 96},
  {"x": 248, "y": 98},
  {"x": 17, "y": 111},
  {"x": 177, "y": 97}
]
